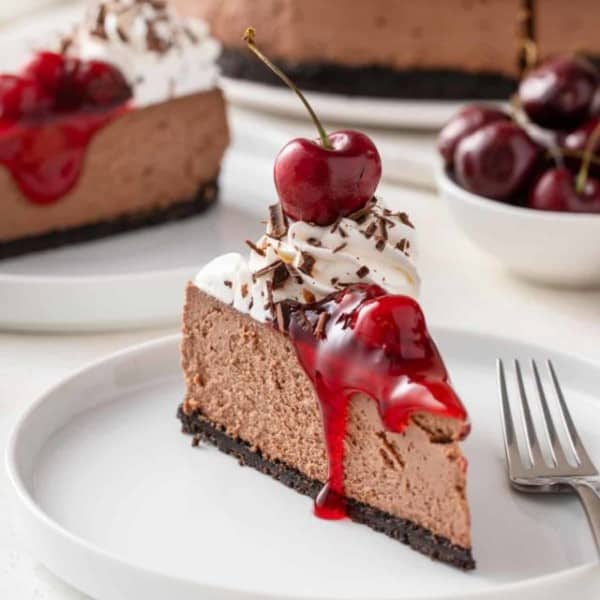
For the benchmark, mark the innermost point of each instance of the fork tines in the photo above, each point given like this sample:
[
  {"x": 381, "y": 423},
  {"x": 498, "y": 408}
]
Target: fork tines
[{"x": 559, "y": 460}]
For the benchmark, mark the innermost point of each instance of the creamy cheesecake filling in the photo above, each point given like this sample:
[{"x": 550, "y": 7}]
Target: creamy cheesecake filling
[
  {"x": 305, "y": 262},
  {"x": 161, "y": 54},
  {"x": 399, "y": 35}
]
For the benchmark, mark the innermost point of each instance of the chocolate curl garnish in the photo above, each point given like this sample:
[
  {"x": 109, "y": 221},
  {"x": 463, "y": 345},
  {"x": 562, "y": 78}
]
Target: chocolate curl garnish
[
  {"x": 307, "y": 262},
  {"x": 405, "y": 219},
  {"x": 280, "y": 276},
  {"x": 277, "y": 226},
  {"x": 268, "y": 268},
  {"x": 255, "y": 248}
]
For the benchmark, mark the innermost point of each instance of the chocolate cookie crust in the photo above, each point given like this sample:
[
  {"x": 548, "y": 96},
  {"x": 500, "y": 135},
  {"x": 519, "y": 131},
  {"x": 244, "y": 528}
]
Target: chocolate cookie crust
[
  {"x": 372, "y": 80},
  {"x": 205, "y": 196},
  {"x": 407, "y": 532}
]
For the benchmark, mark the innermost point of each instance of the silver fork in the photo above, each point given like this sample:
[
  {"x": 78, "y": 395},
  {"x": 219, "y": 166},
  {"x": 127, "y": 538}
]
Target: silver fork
[{"x": 558, "y": 474}]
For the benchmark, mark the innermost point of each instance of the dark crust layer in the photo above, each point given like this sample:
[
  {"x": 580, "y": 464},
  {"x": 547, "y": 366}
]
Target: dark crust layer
[
  {"x": 373, "y": 80},
  {"x": 407, "y": 532},
  {"x": 182, "y": 209}
]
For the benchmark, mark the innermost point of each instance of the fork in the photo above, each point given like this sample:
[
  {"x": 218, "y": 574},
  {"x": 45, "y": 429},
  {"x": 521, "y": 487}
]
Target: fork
[{"x": 536, "y": 474}]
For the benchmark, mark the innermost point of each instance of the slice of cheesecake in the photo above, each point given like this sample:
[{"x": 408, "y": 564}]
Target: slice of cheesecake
[
  {"x": 122, "y": 127},
  {"x": 311, "y": 362}
]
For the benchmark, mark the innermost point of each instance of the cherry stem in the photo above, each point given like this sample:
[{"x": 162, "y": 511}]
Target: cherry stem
[
  {"x": 249, "y": 37},
  {"x": 587, "y": 159},
  {"x": 594, "y": 158}
]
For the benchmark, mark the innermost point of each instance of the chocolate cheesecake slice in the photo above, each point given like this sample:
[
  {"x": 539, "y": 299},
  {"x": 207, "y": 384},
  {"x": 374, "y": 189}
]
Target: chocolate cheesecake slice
[
  {"x": 121, "y": 127},
  {"x": 311, "y": 362}
]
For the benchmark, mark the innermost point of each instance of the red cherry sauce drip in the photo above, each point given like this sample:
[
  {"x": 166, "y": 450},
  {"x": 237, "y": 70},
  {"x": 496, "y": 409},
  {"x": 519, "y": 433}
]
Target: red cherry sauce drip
[
  {"x": 364, "y": 340},
  {"x": 48, "y": 115}
]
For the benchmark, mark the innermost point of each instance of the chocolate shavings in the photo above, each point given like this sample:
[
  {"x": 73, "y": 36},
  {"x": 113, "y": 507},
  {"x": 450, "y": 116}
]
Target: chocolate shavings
[
  {"x": 254, "y": 247},
  {"x": 280, "y": 276},
  {"x": 277, "y": 226},
  {"x": 307, "y": 262}
]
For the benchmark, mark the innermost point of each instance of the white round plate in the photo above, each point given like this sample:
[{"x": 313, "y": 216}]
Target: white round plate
[
  {"x": 348, "y": 110},
  {"x": 135, "y": 279},
  {"x": 112, "y": 498}
]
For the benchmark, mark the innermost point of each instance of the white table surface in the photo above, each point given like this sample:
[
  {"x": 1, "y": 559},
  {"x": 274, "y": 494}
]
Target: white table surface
[{"x": 461, "y": 288}]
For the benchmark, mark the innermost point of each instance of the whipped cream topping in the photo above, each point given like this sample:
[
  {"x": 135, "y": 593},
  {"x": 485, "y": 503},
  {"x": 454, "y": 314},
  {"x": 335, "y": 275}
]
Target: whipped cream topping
[
  {"x": 306, "y": 262},
  {"x": 161, "y": 55}
]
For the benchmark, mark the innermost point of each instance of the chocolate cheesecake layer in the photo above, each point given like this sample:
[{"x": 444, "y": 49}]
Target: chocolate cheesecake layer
[
  {"x": 402, "y": 530},
  {"x": 244, "y": 378},
  {"x": 566, "y": 28},
  {"x": 205, "y": 196},
  {"x": 376, "y": 48},
  {"x": 147, "y": 165},
  {"x": 372, "y": 80}
]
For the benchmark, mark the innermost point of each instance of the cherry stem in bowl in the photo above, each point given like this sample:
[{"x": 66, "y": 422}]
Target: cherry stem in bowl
[
  {"x": 588, "y": 154},
  {"x": 249, "y": 38}
]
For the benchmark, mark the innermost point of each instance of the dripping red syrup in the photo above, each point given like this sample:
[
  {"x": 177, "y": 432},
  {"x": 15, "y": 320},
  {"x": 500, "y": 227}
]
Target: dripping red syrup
[
  {"x": 365, "y": 340},
  {"x": 49, "y": 113}
]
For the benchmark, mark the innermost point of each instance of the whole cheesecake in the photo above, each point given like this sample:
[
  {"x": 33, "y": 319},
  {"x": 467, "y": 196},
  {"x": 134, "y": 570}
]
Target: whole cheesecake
[
  {"x": 375, "y": 48},
  {"x": 122, "y": 126},
  {"x": 437, "y": 49}
]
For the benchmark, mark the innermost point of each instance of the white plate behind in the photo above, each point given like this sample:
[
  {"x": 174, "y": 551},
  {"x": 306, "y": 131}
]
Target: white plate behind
[
  {"x": 112, "y": 498},
  {"x": 351, "y": 110},
  {"x": 135, "y": 279}
]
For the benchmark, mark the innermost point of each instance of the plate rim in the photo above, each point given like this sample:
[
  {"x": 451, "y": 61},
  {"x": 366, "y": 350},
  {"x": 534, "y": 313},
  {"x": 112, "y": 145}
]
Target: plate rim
[
  {"x": 277, "y": 103},
  {"x": 40, "y": 519}
]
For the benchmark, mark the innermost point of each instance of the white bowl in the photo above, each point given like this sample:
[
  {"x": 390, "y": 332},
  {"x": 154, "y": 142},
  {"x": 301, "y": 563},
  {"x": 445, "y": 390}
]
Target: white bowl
[{"x": 559, "y": 249}]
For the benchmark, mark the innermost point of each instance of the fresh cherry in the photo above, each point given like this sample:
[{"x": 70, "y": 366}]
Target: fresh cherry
[
  {"x": 496, "y": 160},
  {"x": 20, "y": 96},
  {"x": 318, "y": 184},
  {"x": 559, "y": 93},
  {"x": 576, "y": 142},
  {"x": 462, "y": 124},
  {"x": 321, "y": 180},
  {"x": 557, "y": 190}
]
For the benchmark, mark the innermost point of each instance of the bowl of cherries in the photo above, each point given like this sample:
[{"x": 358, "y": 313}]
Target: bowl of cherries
[{"x": 524, "y": 183}]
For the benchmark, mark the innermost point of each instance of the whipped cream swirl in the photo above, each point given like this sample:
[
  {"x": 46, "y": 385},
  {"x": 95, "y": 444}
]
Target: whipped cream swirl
[
  {"x": 306, "y": 262},
  {"x": 161, "y": 55}
]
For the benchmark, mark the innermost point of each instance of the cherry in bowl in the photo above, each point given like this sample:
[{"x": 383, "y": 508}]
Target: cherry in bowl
[
  {"x": 559, "y": 93},
  {"x": 464, "y": 122},
  {"x": 496, "y": 161},
  {"x": 559, "y": 190}
]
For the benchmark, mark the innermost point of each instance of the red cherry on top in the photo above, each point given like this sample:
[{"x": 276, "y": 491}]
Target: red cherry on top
[
  {"x": 463, "y": 123},
  {"x": 556, "y": 190},
  {"x": 559, "y": 93},
  {"x": 318, "y": 184},
  {"x": 496, "y": 161},
  {"x": 321, "y": 180}
]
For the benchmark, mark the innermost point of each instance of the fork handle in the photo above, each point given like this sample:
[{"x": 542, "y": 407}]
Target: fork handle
[{"x": 589, "y": 494}]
